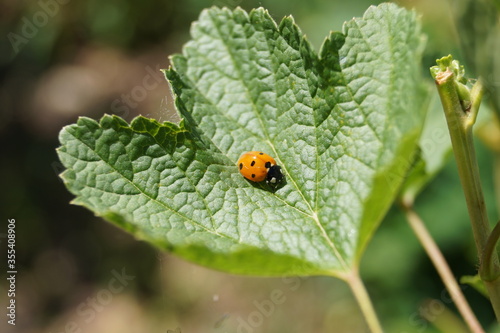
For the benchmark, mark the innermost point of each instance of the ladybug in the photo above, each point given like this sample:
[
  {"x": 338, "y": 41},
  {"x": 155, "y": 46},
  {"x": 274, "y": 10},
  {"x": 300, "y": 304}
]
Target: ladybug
[{"x": 258, "y": 166}]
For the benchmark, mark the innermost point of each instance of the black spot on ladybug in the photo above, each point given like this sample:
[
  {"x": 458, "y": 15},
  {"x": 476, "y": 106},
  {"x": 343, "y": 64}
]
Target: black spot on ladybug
[
  {"x": 253, "y": 175},
  {"x": 261, "y": 153},
  {"x": 241, "y": 166},
  {"x": 253, "y": 163},
  {"x": 268, "y": 165}
]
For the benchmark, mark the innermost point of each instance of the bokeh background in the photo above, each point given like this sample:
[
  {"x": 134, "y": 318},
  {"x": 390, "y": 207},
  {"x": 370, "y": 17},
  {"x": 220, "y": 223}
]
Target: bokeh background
[{"x": 60, "y": 59}]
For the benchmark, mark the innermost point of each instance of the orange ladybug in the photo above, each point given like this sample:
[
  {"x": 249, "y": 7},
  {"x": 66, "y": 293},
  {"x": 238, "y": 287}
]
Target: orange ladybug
[{"x": 258, "y": 166}]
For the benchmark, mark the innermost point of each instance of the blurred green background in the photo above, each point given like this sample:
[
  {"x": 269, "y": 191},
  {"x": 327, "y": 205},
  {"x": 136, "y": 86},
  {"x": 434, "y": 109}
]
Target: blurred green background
[{"x": 69, "y": 58}]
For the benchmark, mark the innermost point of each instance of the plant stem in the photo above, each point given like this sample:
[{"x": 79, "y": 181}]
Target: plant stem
[
  {"x": 476, "y": 95},
  {"x": 460, "y": 129},
  {"x": 442, "y": 268},
  {"x": 460, "y": 123},
  {"x": 487, "y": 270},
  {"x": 496, "y": 172},
  {"x": 365, "y": 304}
]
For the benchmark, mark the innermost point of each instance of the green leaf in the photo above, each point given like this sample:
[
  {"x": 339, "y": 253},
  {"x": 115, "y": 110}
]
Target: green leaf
[
  {"x": 433, "y": 153},
  {"x": 339, "y": 124}
]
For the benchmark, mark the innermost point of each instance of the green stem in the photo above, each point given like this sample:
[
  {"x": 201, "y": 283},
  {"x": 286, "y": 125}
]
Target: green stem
[
  {"x": 496, "y": 177},
  {"x": 460, "y": 127},
  {"x": 488, "y": 271},
  {"x": 442, "y": 268},
  {"x": 363, "y": 299},
  {"x": 476, "y": 95}
]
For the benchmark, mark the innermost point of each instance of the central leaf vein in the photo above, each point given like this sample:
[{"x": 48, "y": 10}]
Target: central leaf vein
[{"x": 272, "y": 146}]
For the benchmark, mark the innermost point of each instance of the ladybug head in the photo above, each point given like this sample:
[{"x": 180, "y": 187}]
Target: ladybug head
[{"x": 274, "y": 175}]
